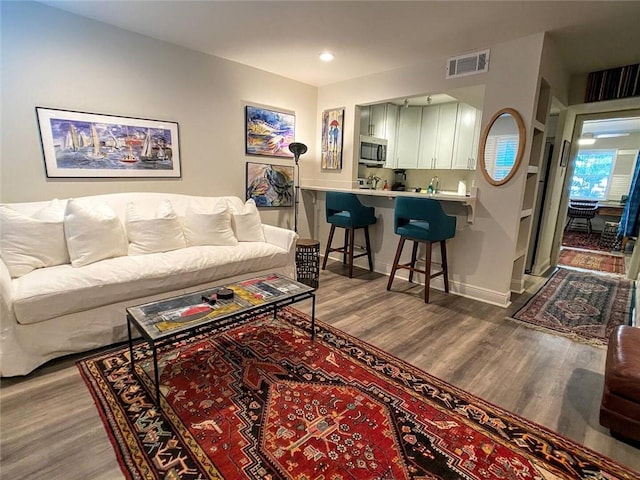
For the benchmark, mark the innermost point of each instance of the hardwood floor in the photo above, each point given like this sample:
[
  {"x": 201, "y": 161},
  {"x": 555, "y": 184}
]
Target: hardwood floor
[{"x": 50, "y": 428}]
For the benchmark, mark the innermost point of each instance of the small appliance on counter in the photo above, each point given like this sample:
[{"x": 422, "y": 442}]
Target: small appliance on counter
[{"x": 398, "y": 182}]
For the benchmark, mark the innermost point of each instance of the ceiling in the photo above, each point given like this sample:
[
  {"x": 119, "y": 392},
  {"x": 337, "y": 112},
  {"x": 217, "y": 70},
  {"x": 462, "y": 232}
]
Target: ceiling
[
  {"x": 286, "y": 37},
  {"x": 612, "y": 126}
]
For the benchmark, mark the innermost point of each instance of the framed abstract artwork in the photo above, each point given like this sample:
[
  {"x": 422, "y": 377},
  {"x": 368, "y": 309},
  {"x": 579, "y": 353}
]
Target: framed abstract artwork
[
  {"x": 332, "y": 129},
  {"x": 86, "y": 145},
  {"x": 270, "y": 185},
  {"x": 269, "y": 132}
]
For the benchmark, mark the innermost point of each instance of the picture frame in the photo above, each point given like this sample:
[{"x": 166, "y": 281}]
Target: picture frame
[
  {"x": 268, "y": 132},
  {"x": 566, "y": 149},
  {"x": 270, "y": 185},
  {"x": 332, "y": 138},
  {"x": 94, "y": 145}
]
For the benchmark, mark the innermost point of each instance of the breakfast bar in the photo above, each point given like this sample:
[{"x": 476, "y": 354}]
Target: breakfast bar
[
  {"x": 384, "y": 241},
  {"x": 444, "y": 196}
]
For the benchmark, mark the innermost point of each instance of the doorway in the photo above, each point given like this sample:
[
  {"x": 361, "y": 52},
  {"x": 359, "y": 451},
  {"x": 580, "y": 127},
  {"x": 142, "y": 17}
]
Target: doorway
[
  {"x": 599, "y": 173},
  {"x": 569, "y": 177}
]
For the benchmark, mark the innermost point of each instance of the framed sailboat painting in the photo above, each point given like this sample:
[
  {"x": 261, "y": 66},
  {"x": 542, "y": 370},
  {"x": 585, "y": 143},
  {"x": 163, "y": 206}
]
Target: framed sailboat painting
[{"x": 87, "y": 145}]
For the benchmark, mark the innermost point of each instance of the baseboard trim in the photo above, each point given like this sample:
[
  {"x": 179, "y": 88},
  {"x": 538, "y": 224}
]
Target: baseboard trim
[{"x": 492, "y": 297}]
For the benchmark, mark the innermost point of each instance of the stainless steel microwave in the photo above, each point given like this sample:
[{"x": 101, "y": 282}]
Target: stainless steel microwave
[{"x": 373, "y": 151}]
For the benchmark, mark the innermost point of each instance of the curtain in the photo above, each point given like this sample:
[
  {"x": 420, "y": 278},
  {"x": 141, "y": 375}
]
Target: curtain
[{"x": 629, "y": 220}]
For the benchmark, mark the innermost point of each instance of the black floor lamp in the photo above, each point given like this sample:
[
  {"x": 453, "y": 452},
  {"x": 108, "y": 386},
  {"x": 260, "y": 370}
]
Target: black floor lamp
[{"x": 297, "y": 149}]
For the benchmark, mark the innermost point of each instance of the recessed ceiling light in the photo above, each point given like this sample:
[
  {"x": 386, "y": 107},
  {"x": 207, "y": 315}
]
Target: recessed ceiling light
[{"x": 326, "y": 56}]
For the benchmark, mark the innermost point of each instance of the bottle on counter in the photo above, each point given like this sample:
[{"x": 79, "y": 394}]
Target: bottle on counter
[{"x": 385, "y": 186}]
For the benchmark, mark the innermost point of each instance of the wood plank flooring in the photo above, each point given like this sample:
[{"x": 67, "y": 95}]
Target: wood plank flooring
[{"x": 50, "y": 428}]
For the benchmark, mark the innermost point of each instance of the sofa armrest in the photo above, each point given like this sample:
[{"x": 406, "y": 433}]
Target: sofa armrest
[
  {"x": 280, "y": 237},
  {"x": 6, "y": 293},
  {"x": 8, "y": 339}
]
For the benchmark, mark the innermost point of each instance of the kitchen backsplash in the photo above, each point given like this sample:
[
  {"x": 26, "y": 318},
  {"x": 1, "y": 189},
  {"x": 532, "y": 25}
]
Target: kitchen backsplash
[{"x": 420, "y": 178}]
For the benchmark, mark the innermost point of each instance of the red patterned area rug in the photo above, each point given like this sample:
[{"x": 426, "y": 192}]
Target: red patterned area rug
[
  {"x": 588, "y": 241},
  {"x": 263, "y": 401},
  {"x": 580, "y": 305},
  {"x": 600, "y": 262}
]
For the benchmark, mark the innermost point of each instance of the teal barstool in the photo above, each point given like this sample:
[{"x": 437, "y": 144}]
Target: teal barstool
[
  {"x": 344, "y": 210},
  {"x": 422, "y": 220}
]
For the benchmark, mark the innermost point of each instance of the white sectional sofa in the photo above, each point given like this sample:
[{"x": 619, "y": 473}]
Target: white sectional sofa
[{"x": 59, "y": 296}]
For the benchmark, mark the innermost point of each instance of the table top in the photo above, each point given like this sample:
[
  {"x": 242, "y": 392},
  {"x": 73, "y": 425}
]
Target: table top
[{"x": 170, "y": 317}]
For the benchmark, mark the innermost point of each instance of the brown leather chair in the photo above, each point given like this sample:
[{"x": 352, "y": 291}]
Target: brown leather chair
[{"x": 620, "y": 407}]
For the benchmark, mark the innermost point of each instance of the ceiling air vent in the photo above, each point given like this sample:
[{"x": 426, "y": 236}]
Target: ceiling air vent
[{"x": 469, "y": 64}]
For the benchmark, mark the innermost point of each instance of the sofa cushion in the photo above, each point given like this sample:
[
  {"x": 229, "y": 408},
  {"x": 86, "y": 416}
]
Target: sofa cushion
[
  {"x": 206, "y": 225},
  {"x": 56, "y": 291},
  {"x": 93, "y": 232},
  {"x": 246, "y": 222},
  {"x": 30, "y": 242},
  {"x": 161, "y": 233}
]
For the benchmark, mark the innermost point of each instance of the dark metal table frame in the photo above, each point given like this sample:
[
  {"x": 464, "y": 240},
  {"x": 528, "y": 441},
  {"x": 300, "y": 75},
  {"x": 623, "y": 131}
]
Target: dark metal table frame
[{"x": 221, "y": 322}]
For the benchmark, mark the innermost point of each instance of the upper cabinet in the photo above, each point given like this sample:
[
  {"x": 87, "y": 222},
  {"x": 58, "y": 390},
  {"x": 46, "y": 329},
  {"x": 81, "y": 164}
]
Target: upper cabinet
[
  {"x": 440, "y": 137},
  {"x": 437, "y": 136},
  {"x": 381, "y": 120},
  {"x": 374, "y": 120},
  {"x": 465, "y": 149},
  {"x": 443, "y": 136},
  {"x": 408, "y": 145}
]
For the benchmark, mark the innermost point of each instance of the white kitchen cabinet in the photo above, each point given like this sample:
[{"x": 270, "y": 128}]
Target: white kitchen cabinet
[
  {"x": 375, "y": 119},
  {"x": 391, "y": 132},
  {"x": 437, "y": 136},
  {"x": 467, "y": 138},
  {"x": 446, "y": 135},
  {"x": 428, "y": 137},
  {"x": 408, "y": 146}
]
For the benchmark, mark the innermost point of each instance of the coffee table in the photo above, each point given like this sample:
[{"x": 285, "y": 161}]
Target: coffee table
[{"x": 167, "y": 321}]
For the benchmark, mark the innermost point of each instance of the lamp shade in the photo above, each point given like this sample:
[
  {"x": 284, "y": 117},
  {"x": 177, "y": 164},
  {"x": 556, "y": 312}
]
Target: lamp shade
[{"x": 297, "y": 149}]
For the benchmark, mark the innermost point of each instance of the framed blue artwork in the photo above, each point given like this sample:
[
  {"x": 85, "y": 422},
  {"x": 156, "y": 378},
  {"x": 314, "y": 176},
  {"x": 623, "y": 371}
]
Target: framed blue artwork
[
  {"x": 269, "y": 132},
  {"x": 85, "y": 145},
  {"x": 270, "y": 185}
]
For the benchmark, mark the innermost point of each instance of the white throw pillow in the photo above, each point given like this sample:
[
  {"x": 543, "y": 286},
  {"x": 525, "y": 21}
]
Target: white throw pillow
[
  {"x": 27, "y": 243},
  {"x": 247, "y": 224},
  {"x": 211, "y": 226},
  {"x": 93, "y": 231},
  {"x": 151, "y": 235}
]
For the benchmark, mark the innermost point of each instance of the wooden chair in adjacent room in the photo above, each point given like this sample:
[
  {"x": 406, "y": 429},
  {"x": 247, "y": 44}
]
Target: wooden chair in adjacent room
[
  {"x": 344, "y": 210},
  {"x": 422, "y": 220}
]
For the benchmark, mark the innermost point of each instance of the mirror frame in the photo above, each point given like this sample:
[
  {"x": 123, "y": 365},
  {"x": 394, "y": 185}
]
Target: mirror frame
[{"x": 519, "y": 154}]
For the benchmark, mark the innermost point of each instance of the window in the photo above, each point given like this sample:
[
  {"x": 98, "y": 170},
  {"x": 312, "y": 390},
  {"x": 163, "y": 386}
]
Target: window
[
  {"x": 592, "y": 174},
  {"x": 500, "y": 153}
]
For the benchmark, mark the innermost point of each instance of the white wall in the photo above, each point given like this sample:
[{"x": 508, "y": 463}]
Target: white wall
[
  {"x": 55, "y": 59},
  {"x": 481, "y": 255}
]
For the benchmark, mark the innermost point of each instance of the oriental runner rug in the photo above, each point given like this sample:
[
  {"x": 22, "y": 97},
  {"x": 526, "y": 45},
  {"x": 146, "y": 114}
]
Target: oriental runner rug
[
  {"x": 588, "y": 241},
  {"x": 600, "y": 262},
  {"x": 580, "y": 305},
  {"x": 263, "y": 401}
]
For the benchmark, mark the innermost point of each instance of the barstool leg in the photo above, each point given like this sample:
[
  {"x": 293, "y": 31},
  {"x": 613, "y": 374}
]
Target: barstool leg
[
  {"x": 395, "y": 262},
  {"x": 414, "y": 255},
  {"x": 427, "y": 269},
  {"x": 326, "y": 253},
  {"x": 351, "y": 239},
  {"x": 445, "y": 268},
  {"x": 345, "y": 249},
  {"x": 368, "y": 242}
]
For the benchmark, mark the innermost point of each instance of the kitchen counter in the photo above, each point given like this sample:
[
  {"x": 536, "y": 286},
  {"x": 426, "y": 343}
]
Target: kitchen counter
[{"x": 445, "y": 196}]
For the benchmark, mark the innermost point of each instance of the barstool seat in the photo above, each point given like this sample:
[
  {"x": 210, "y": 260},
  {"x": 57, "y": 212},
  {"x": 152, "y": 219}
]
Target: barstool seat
[
  {"x": 422, "y": 220},
  {"x": 344, "y": 210}
]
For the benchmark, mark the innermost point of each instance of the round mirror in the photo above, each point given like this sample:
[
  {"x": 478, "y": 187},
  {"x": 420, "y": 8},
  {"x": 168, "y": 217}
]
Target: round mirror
[{"x": 502, "y": 146}]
